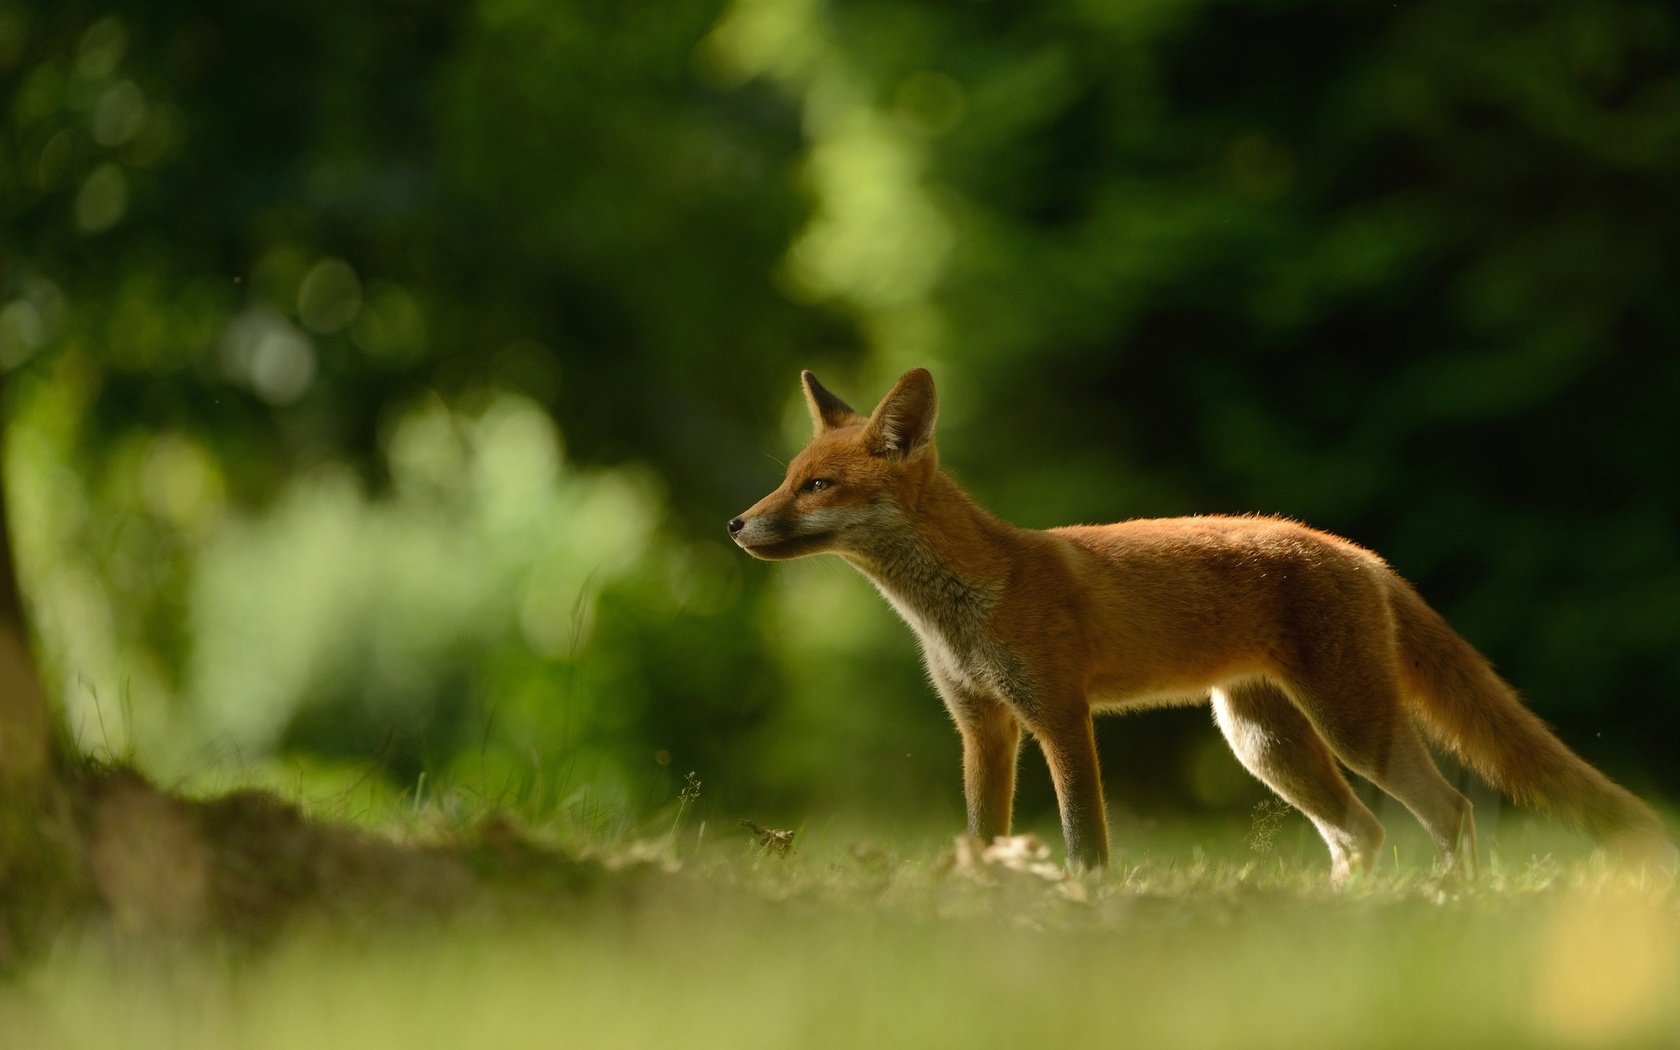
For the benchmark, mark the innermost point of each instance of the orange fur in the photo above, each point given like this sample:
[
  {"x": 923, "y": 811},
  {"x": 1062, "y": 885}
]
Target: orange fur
[{"x": 1310, "y": 647}]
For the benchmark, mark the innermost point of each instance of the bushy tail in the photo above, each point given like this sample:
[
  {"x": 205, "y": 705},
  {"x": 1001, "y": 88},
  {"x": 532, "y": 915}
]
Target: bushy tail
[{"x": 1468, "y": 709}]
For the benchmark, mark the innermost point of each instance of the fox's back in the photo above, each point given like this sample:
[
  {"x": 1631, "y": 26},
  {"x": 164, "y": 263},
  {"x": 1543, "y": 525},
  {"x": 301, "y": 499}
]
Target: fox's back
[
  {"x": 1227, "y": 550},
  {"x": 1212, "y": 597}
]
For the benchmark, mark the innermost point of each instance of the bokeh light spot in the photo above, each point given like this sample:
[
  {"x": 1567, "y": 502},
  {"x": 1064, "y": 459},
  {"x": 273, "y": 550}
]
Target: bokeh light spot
[
  {"x": 22, "y": 330},
  {"x": 119, "y": 114},
  {"x": 101, "y": 49},
  {"x": 181, "y": 483},
  {"x": 329, "y": 297},
  {"x": 102, "y": 200},
  {"x": 1607, "y": 972},
  {"x": 270, "y": 356},
  {"x": 389, "y": 327}
]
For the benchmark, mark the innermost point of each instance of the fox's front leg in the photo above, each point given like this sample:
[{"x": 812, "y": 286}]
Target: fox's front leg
[
  {"x": 991, "y": 736},
  {"x": 1070, "y": 749}
]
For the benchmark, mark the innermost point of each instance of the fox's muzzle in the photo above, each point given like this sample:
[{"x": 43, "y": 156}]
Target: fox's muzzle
[{"x": 772, "y": 537}]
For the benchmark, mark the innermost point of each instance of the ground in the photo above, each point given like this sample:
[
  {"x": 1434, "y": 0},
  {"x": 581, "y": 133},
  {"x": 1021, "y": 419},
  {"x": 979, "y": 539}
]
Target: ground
[{"x": 698, "y": 936}]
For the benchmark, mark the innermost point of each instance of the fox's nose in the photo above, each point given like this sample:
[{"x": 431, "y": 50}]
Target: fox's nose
[{"x": 736, "y": 525}]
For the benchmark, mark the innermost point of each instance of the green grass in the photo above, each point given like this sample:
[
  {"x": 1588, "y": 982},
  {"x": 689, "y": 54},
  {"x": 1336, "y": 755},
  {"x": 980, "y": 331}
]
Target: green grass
[{"x": 846, "y": 946}]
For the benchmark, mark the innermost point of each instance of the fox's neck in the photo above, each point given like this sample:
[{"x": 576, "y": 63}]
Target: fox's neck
[{"x": 946, "y": 569}]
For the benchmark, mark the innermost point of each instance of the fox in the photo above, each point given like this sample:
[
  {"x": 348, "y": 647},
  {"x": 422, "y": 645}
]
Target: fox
[{"x": 1313, "y": 652}]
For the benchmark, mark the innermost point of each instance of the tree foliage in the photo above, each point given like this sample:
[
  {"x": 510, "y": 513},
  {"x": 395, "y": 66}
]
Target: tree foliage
[{"x": 381, "y": 374}]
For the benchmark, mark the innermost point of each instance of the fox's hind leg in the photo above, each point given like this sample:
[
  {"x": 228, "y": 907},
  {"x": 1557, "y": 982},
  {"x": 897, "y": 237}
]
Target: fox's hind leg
[
  {"x": 1275, "y": 741},
  {"x": 1360, "y": 716}
]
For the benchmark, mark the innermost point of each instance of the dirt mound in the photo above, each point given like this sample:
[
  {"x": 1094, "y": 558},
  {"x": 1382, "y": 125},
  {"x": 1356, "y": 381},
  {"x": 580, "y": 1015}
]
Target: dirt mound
[{"x": 111, "y": 848}]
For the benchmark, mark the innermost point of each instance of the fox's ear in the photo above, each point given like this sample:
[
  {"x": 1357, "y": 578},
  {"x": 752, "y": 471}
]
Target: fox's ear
[
  {"x": 902, "y": 424},
  {"x": 827, "y": 411}
]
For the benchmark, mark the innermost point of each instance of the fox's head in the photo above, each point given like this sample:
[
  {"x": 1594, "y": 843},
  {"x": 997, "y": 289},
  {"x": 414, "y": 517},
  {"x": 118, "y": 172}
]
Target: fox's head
[{"x": 857, "y": 482}]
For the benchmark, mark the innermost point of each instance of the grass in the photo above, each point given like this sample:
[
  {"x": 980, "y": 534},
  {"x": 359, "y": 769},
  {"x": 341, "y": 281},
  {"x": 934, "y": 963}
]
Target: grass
[{"x": 837, "y": 945}]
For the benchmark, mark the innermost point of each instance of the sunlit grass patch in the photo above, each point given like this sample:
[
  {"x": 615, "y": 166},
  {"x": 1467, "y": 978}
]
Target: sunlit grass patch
[
  {"x": 842, "y": 944},
  {"x": 453, "y": 916}
]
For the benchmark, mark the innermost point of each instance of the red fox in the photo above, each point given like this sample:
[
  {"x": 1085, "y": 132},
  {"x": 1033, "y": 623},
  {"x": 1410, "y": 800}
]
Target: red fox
[{"x": 1311, "y": 648}]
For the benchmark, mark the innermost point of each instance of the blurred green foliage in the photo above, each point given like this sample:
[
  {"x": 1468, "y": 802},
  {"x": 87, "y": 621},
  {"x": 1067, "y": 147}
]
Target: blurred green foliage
[{"x": 380, "y": 375}]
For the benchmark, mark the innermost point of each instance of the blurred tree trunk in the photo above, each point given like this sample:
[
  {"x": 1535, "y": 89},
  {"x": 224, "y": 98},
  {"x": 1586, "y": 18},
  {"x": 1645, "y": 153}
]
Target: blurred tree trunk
[
  {"x": 25, "y": 722},
  {"x": 40, "y": 844}
]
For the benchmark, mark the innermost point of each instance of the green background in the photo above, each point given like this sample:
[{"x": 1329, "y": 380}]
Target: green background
[{"x": 380, "y": 375}]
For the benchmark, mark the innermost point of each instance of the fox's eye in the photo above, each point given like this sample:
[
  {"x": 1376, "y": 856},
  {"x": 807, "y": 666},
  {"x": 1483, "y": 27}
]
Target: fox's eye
[{"x": 815, "y": 485}]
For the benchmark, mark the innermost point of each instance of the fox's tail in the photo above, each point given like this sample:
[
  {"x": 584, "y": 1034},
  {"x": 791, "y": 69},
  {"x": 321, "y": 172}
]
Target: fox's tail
[{"x": 1468, "y": 709}]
